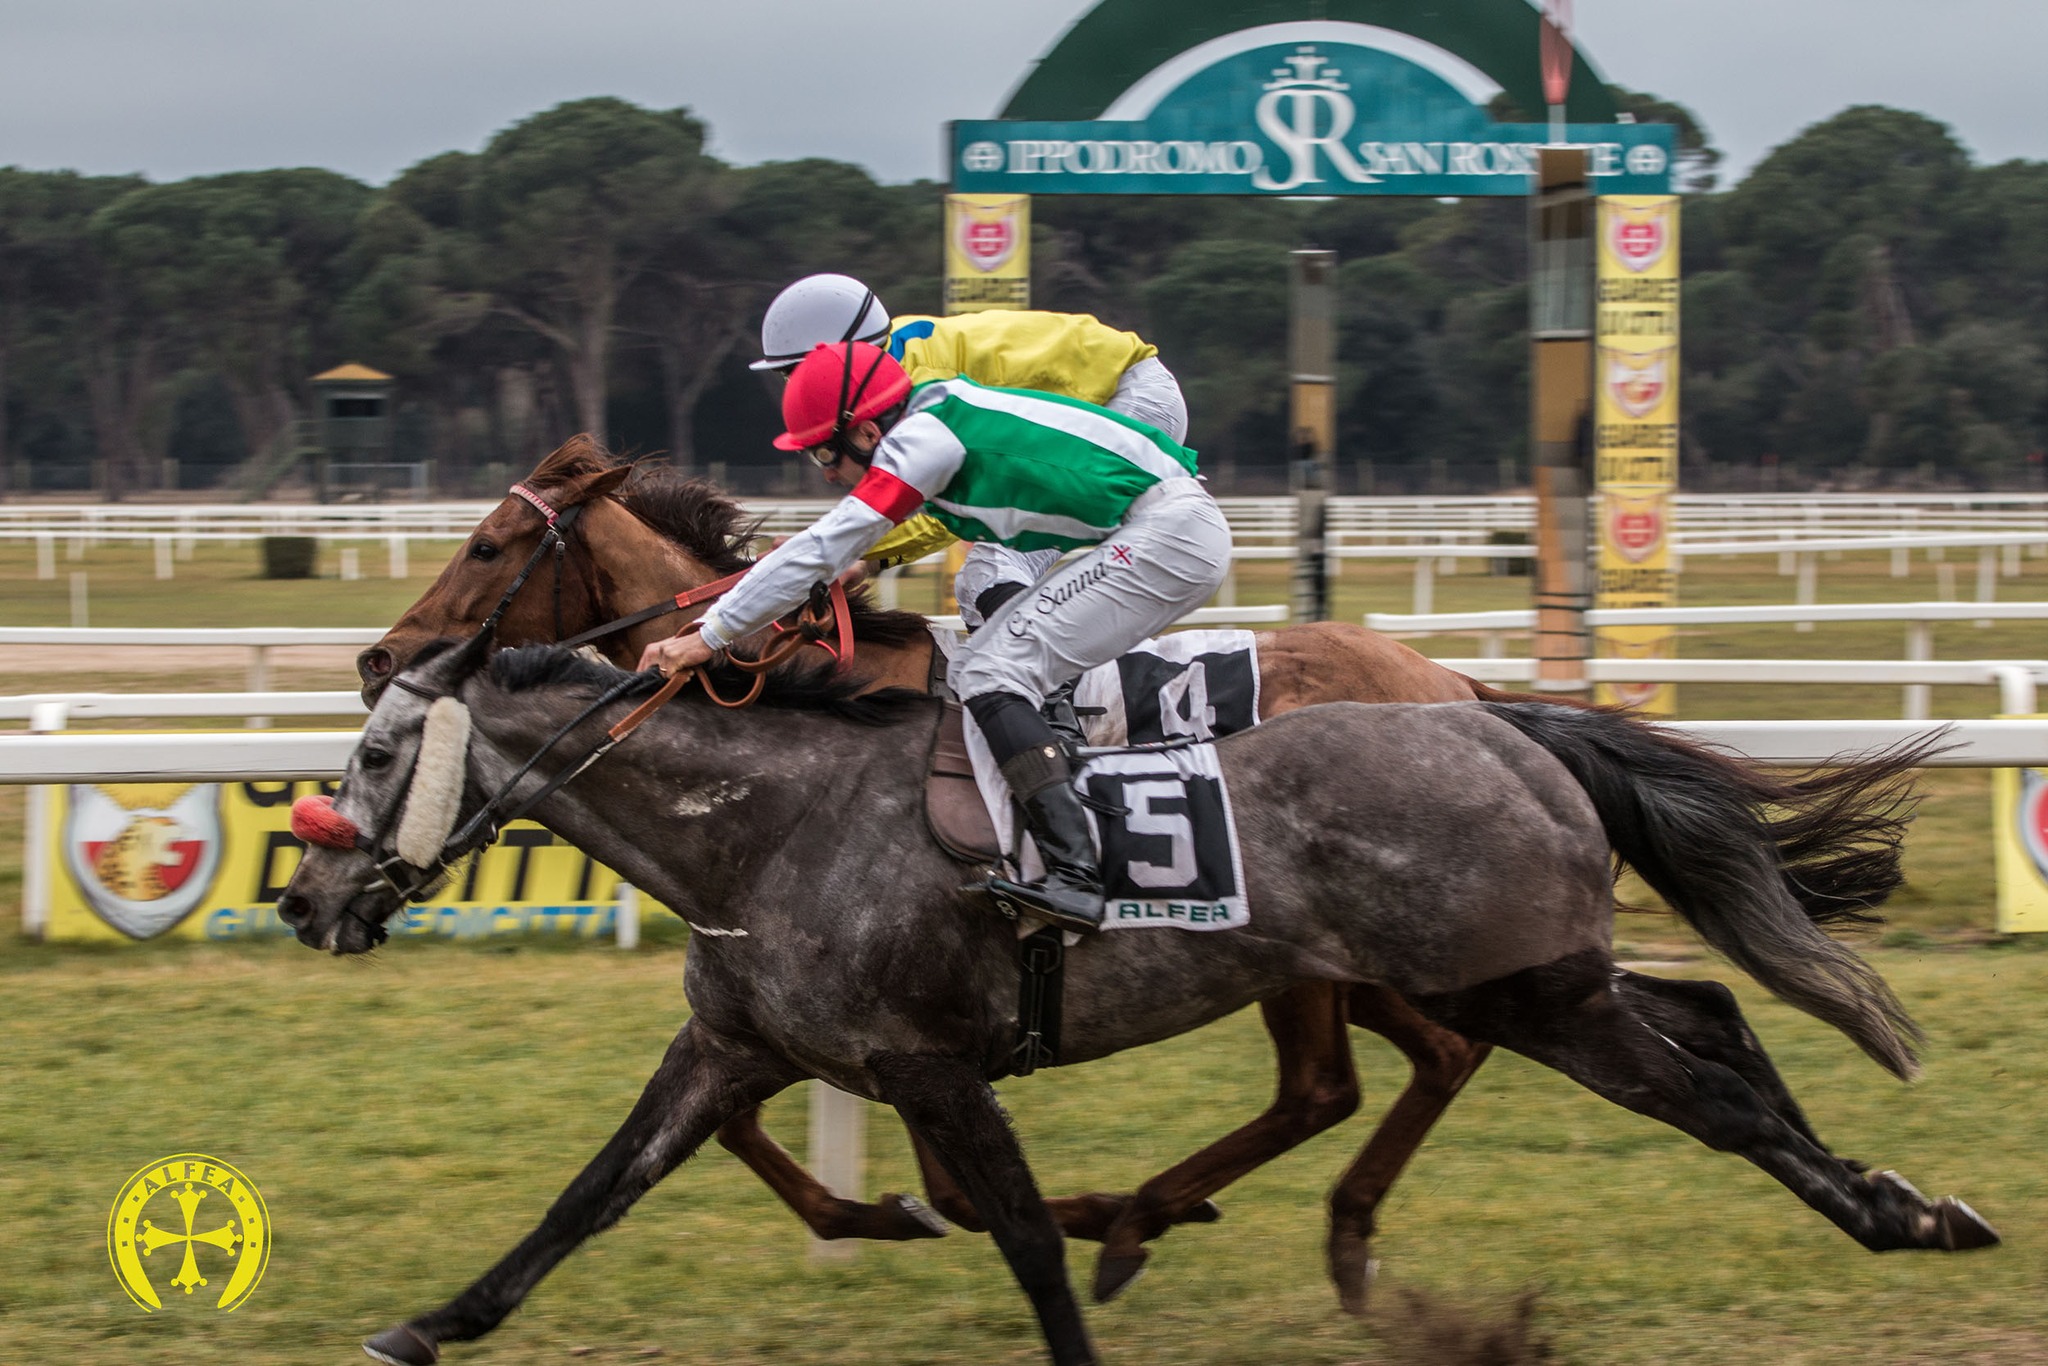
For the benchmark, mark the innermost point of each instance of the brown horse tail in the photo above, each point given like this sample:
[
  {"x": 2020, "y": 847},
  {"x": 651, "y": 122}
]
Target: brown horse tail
[{"x": 1754, "y": 861}]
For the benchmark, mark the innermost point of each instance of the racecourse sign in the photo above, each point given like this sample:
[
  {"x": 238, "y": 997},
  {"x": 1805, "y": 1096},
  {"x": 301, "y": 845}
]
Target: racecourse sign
[{"x": 1304, "y": 108}]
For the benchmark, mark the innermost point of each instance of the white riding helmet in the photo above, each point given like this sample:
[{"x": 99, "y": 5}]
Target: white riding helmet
[{"x": 815, "y": 311}]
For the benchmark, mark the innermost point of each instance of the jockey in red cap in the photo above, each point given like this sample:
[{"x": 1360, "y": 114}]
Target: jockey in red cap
[{"x": 1027, "y": 470}]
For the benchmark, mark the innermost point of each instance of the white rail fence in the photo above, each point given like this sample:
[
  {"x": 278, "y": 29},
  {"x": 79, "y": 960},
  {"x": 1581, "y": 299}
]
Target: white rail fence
[
  {"x": 1919, "y": 619},
  {"x": 240, "y": 756}
]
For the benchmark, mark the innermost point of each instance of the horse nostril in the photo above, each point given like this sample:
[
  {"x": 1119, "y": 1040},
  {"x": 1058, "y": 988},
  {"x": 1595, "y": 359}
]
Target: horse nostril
[
  {"x": 374, "y": 664},
  {"x": 293, "y": 909}
]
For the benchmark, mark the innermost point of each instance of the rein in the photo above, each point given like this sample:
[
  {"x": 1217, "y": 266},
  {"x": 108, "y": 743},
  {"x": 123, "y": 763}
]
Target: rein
[
  {"x": 555, "y": 538},
  {"x": 315, "y": 820}
]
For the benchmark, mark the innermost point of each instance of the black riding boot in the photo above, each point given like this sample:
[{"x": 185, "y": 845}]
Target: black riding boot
[
  {"x": 1070, "y": 894},
  {"x": 1059, "y": 713}
]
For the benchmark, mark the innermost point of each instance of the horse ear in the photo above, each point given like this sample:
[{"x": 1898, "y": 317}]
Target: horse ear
[{"x": 587, "y": 488}]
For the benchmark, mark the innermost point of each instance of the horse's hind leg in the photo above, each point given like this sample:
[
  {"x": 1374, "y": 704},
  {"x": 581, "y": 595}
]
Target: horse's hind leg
[
  {"x": 1318, "y": 1087},
  {"x": 1704, "y": 1020},
  {"x": 1443, "y": 1063},
  {"x": 1569, "y": 1015},
  {"x": 702, "y": 1081},
  {"x": 948, "y": 1105},
  {"x": 893, "y": 1218}
]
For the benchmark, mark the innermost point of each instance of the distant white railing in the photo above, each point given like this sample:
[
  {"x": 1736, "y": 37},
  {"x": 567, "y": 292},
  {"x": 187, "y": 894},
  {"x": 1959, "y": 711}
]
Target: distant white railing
[{"x": 1919, "y": 618}]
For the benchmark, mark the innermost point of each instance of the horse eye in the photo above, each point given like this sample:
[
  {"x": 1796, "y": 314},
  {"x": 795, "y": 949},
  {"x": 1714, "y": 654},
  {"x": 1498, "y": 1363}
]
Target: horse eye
[
  {"x": 374, "y": 759},
  {"x": 483, "y": 550}
]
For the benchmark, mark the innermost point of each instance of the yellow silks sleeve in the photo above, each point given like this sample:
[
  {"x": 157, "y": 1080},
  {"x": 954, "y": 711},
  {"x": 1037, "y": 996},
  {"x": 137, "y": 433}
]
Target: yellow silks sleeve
[
  {"x": 913, "y": 540},
  {"x": 1071, "y": 354}
]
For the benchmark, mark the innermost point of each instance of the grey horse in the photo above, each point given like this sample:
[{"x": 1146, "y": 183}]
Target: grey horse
[{"x": 1458, "y": 853}]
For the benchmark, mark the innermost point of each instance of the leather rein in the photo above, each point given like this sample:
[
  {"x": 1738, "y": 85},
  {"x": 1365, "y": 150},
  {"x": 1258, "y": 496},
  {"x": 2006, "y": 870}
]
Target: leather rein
[{"x": 826, "y": 614}]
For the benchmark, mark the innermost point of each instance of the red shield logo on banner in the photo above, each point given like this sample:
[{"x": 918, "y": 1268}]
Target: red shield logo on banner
[
  {"x": 987, "y": 240},
  {"x": 1638, "y": 237},
  {"x": 142, "y": 855},
  {"x": 1635, "y": 526},
  {"x": 2031, "y": 818}
]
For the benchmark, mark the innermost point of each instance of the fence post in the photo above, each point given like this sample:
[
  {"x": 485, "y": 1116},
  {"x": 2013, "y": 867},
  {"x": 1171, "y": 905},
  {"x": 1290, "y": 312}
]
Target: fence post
[
  {"x": 1425, "y": 585},
  {"x": 35, "y": 873},
  {"x": 837, "y": 1155},
  {"x": 1809, "y": 585},
  {"x": 163, "y": 557},
  {"x": 259, "y": 680},
  {"x": 1919, "y": 645},
  {"x": 80, "y": 614},
  {"x": 2016, "y": 690},
  {"x": 626, "y": 920},
  {"x": 399, "y": 568},
  {"x": 1987, "y": 581},
  {"x": 46, "y": 557}
]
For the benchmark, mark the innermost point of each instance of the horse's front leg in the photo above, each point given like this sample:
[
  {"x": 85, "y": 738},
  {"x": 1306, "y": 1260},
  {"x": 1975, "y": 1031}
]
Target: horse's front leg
[
  {"x": 948, "y": 1105},
  {"x": 893, "y": 1218},
  {"x": 1443, "y": 1063},
  {"x": 703, "y": 1080},
  {"x": 1318, "y": 1087}
]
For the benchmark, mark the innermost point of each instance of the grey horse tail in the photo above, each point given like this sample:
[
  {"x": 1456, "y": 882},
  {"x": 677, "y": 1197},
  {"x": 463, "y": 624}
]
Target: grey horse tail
[{"x": 1754, "y": 861}]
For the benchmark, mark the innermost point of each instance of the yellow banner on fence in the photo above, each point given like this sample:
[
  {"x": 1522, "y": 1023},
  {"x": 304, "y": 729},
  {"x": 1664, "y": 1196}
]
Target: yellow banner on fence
[
  {"x": 133, "y": 861},
  {"x": 2019, "y": 841},
  {"x": 988, "y": 252},
  {"x": 1635, "y": 432}
]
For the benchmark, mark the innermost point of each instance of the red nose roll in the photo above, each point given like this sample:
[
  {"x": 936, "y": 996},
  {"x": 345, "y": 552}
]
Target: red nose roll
[{"x": 315, "y": 821}]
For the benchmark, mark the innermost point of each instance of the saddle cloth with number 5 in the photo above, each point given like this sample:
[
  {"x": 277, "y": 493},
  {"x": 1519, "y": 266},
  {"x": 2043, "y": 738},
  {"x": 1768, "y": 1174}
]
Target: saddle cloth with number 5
[{"x": 1171, "y": 858}]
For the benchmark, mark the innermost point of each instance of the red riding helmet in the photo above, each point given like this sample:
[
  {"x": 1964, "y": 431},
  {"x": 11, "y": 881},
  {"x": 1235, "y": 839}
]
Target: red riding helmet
[{"x": 835, "y": 386}]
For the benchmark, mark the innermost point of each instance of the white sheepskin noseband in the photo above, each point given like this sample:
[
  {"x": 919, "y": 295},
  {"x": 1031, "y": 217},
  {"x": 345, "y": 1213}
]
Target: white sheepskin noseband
[{"x": 436, "y": 796}]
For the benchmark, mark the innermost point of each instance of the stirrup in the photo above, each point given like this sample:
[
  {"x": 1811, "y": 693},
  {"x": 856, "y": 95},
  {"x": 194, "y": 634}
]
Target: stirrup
[{"x": 1019, "y": 900}]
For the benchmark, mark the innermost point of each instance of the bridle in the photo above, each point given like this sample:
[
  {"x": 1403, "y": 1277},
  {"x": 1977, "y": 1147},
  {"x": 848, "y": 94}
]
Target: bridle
[
  {"x": 555, "y": 537},
  {"x": 315, "y": 820}
]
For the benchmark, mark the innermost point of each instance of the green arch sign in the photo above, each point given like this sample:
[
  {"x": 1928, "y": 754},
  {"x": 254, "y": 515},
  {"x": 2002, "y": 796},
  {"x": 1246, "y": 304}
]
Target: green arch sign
[{"x": 1147, "y": 97}]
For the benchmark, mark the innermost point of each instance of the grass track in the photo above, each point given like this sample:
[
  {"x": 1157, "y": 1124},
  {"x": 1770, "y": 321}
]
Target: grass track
[{"x": 409, "y": 1117}]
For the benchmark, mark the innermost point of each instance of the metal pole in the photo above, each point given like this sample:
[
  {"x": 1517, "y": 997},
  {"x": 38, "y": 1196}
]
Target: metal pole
[
  {"x": 1312, "y": 419},
  {"x": 1561, "y": 249}
]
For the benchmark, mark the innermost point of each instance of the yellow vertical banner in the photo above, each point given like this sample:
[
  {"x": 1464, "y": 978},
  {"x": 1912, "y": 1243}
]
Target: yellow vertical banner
[
  {"x": 988, "y": 252},
  {"x": 2019, "y": 842},
  {"x": 1635, "y": 432}
]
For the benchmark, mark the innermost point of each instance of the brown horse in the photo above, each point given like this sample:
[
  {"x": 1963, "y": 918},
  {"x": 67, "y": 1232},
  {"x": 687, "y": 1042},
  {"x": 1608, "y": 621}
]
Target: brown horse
[{"x": 643, "y": 535}]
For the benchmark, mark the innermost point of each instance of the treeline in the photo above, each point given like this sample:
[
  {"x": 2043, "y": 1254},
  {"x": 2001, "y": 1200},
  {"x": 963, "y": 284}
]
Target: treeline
[{"x": 1866, "y": 307}]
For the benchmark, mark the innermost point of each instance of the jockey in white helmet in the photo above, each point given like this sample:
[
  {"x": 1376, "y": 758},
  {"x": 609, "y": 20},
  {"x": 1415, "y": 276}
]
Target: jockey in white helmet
[{"x": 1070, "y": 354}]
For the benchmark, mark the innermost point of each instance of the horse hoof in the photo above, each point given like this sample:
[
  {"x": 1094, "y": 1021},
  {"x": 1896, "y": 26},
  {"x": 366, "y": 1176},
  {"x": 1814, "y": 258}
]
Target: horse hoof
[
  {"x": 1208, "y": 1212},
  {"x": 1114, "y": 1272},
  {"x": 401, "y": 1346},
  {"x": 1961, "y": 1228},
  {"x": 1352, "y": 1270},
  {"x": 911, "y": 1217}
]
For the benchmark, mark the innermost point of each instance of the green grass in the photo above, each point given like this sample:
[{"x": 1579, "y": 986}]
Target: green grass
[{"x": 410, "y": 1116}]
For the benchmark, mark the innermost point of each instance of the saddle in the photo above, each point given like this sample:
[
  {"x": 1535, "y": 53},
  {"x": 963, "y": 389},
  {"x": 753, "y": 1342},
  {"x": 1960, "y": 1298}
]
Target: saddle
[{"x": 953, "y": 807}]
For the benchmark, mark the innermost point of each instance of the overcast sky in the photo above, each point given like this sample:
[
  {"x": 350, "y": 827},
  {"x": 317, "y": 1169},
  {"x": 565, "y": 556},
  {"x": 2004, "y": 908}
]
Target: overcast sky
[{"x": 174, "y": 88}]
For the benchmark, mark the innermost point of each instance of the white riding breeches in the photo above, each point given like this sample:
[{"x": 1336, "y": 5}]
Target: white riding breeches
[
  {"x": 1149, "y": 392},
  {"x": 1163, "y": 562}
]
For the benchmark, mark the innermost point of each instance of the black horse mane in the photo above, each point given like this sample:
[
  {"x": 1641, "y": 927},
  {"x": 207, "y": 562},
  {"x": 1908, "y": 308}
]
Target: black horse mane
[
  {"x": 709, "y": 526},
  {"x": 819, "y": 687}
]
